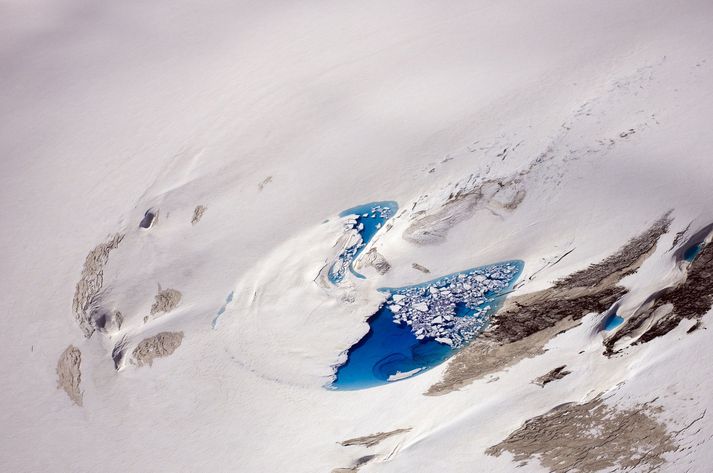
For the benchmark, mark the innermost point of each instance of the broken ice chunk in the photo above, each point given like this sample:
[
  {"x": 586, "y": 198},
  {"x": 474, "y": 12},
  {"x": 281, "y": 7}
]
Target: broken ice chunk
[{"x": 399, "y": 375}]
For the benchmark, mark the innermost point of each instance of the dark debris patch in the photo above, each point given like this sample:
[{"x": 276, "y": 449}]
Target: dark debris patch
[
  {"x": 526, "y": 323},
  {"x": 557, "y": 373},
  {"x": 591, "y": 437},
  {"x": 689, "y": 300}
]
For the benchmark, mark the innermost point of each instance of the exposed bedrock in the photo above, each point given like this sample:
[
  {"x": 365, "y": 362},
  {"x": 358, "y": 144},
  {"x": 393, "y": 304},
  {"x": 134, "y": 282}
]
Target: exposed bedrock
[
  {"x": 526, "y": 323},
  {"x": 697, "y": 238},
  {"x": 532, "y": 313},
  {"x": 198, "y": 214},
  {"x": 496, "y": 195},
  {"x": 622, "y": 263},
  {"x": 691, "y": 299},
  {"x": 591, "y": 437},
  {"x": 159, "y": 346},
  {"x": 69, "y": 375},
  {"x": 374, "y": 259},
  {"x": 87, "y": 294},
  {"x": 485, "y": 356},
  {"x": 418, "y": 267},
  {"x": 165, "y": 301},
  {"x": 373, "y": 439},
  {"x": 361, "y": 461},
  {"x": 557, "y": 373}
]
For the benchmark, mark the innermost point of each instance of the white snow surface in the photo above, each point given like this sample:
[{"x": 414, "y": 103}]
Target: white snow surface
[{"x": 111, "y": 108}]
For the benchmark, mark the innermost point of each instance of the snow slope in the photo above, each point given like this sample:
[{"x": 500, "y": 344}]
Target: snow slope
[{"x": 278, "y": 115}]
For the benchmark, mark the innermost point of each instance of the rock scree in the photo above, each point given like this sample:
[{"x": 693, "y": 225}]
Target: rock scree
[
  {"x": 198, "y": 214},
  {"x": 166, "y": 300},
  {"x": 557, "y": 373},
  {"x": 69, "y": 375},
  {"x": 87, "y": 294},
  {"x": 159, "y": 346},
  {"x": 373, "y": 439},
  {"x": 591, "y": 437}
]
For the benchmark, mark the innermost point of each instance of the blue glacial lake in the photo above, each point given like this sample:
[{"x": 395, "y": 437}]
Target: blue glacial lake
[
  {"x": 368, "y": 219},
  {"x": 692, "y": 252},
  {"x": 613, "y": 322},
  {"x": 420, "y": 326}
]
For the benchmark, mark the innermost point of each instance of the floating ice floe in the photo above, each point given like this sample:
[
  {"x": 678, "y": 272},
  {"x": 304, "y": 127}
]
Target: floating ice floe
[
  {"x": 362, "y": 223},
  {"x": 455, "y": 307},
  {"x": 420, "y": 326},
  {"x": 399, "y": 375}
]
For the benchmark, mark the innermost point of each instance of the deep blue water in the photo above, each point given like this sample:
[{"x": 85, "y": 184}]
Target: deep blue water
[
  {"x": 462, "y": 310},
  {"x": 390, "y": 348},
  {"x": 370, "y": 218},
  {"x": 613, "y": 322},
  {"x": 692, "y": 252},
  {"x": 387, "y": 349}
]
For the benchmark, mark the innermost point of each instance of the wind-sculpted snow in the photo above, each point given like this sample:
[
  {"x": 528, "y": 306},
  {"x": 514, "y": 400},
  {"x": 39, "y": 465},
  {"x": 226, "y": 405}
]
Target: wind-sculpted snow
[{"x": 420, "y": 326}]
